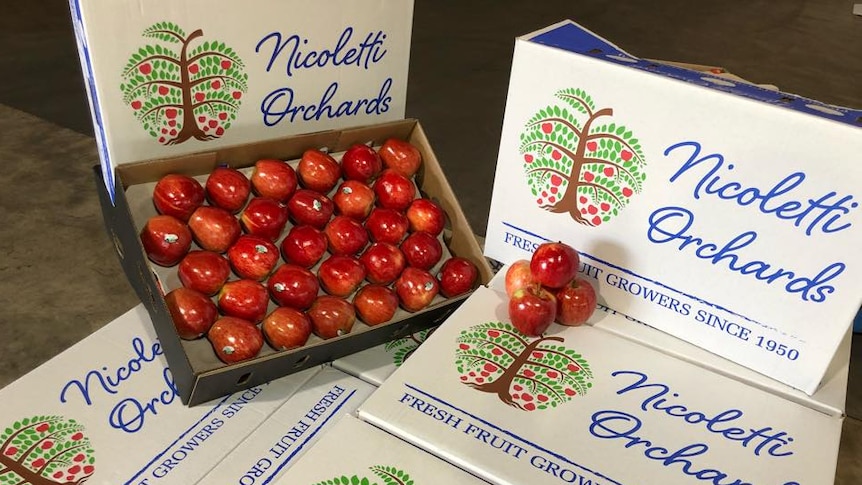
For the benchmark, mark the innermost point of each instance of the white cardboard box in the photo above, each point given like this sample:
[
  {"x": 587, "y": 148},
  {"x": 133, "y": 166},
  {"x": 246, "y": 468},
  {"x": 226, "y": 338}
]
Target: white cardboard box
[
  {"x": 354, "y": 452},
  {"x": 582, "y": 405},
  {"x": 376, "y": 364},
  {"x": 106, "y": 410},
  {"x": 717, "y": 211}
]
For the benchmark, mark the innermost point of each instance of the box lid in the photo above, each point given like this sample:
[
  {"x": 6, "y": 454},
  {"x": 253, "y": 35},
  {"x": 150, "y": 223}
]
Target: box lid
[{"x": 166, "y": 78}]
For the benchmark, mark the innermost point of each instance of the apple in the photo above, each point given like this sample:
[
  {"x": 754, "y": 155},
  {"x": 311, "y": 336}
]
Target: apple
[
  {"x": 457, "y": 276},
  {"x": 293, "y": 286},
  {"x": 228, "y": 188},
  {"x": 235, "y": 339},
  {"x": 318, "y": 171},
  {"x": 246, "y": 299},
  {"x": 193, "y": 312},
  {"x": 554, "y": 264},
  {"x": 340, "y": 275},
  {"x": 303, "y": 246},
  {"x": 264, "y": 217},
  {"x": 360, "y": 162},
  {"x": 331, "y": 316},
  {"x": 400, "y": 156},
  {"x": 354, "y": 199},
  {"x": 204, "y": 271},
  {"x": 311, "y": 208},
  {"x": 345, "y": 235},
  {"x": 422, "y": 250},
  {"x": 383, "y": 262},
  {"x": 426, "y": 215},
  {"x": 416, "y": 288},
  {"x": 375, "y": 304},
  {"x": 253, "y": 257},
  {"x": 387, "y": 225},
  {"x": 532, "y": 310},
  {"x": 286, "y": 328},
  {"x": 274, "y": 179},
  {"x": 576, "y": 302},
  {"x": 394, "y": 191},
  {"x": 518, "y": 276},
  {"x": 178, "y": 195},
  {"x": 166, "y": 239},
  {"x": 214, "y": 229}
]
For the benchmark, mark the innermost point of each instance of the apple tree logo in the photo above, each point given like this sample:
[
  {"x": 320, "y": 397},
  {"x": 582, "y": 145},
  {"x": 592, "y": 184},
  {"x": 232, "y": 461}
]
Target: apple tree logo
[
  {"x": 576, "y": 166},
  {"x": 45, "y": 450},
  {"x": 403, "y": 348},
  {"x": 524, "y": 372},
  {"x": 193, "y": 93},
  {"x": 389, "y": 476}
]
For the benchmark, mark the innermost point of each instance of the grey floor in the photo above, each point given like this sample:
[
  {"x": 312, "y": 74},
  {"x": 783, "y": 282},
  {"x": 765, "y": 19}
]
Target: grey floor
[{"x": 59, "y": 278}]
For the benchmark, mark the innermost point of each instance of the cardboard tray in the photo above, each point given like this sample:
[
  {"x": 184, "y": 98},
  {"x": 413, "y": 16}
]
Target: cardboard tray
[{"x": 198, "y": 375}]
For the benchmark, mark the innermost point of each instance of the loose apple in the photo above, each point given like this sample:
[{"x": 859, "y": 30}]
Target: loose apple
[
  {"x": 274, "y": 179},
  {"x": 375, "y": 304},
  {"x": 303, "y": 246},
  {"x": 457, "y": 276},
  {"x": 166, "y": 239},
  {"x": 532, "y": 310},
  {"x": 234, "y": 339},
  {"x": 422, "y": 250},
  {"x": 426, "y": 215},
  {"x": 228, "y": 188},
  {"x": 265, "y": 218},
  {"x": 394, "y": 191},
  {"x": 193, "y": 312},
  {"x": 416, "y": 288},
  {"x": 178, "y": 195},
  {"x": 361, "y": 162},
  {"x": 576, "y": 302},
  {"x": 318, "y": 171},
  {"x": 310, "y": 208},
  {"x": 286, "y": 328},
  {"x": 214, "y": 229},
  {"x": 387, "y": 225},
  {"x": 331, "y": 316},
  {"x": 253, "y": 257},
  {"x": 293, "y": 286},
  {"x": 345, "y": 236},
  {"x": 245, "y": 299},
  {"x": 554, "y": 264},
  {"x": 354, "y": 199},
  {"x": 383, "y": 262},
  {"x": 401, "y": 156},
  {"x": 204, "y": 271},
  {"x": 518, "y": 276},
  {"x": 340, "y": 275}
]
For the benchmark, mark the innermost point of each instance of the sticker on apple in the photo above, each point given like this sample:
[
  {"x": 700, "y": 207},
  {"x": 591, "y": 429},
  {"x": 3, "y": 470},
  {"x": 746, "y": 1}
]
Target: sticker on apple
[
  {"x": 44, "y": 450},
  {"x": 523, "y": 372},
  {"x": 578, "y": 161}
]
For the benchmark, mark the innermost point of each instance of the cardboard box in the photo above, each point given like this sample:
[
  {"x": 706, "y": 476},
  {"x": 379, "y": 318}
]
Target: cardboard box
[
  {"x": 107, "y": 410},
  {"x": 199, "y": 375},
  {"x": 376, "y": 364},
  {"x": 356, "y": 452},
  {"x": 719, "y": 212},
  {"x": 574, "y": 404}
]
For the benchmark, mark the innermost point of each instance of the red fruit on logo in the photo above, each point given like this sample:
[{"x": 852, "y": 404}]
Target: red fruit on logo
[
  {"x": 236, "y": 94},
  {"x": 604, "y": 206},
  {"x": 554, "y": 190},
  {"x": 77, "y": 436},
  {"x": 38, "y": 463},
  {"x": 592, "y": 209},
  {"x": 164, "y": 131},
  {"x": 47, "y": 445},
  {"x": 58, "y": 475},
  {"x": 552, "y": 199},
  {"x": 596, "y": 220},
  {"x": 573, "y": 368},
  {"x": 220, "y": 131},
  {"x": 529, "y": 373},
  {"x": 542, "y": 398},
  {"x": 583, "y": 200},
  {"x": 464, "y": 378},
  {"x": 526, "y": 397},
  {"x": 544, "y": 193},
  {"x": 215, "y": 84},
  {"x": 547, "y": 128},
  {"x": 627, "y": 192},
  {"x": 10, "y": 451},
  {"x": 570, "y": 392},
  {"x": 556, "y": 179},
  {"x": 538, "y": 355},
  {"x": 222, "y": 116},
  {"x": 530, "y": 406},
  {"x": 79, "y": 457},
  {"x": 626, "y": 155},
  {"x": 161, "y": 139},
  {"x": 163, "y": 90},
  {"x": 89, "y": 469},
  {"x": 146, "y": 69},
  {"x": 528, "y": 158},
  {"x": 172, "y": 123},
  {"x": 199, "y": 97},
  {"x": 194, "y": 69},
  {"x": 226, "y": 64},
  {"x": 516, "y": 396},
  {"x": 464, "y": 347},
  {"x": 552, "y": 374},
  {"x": 173, "y": 132},
  {"x": 213, "y": 123},
  {"x": 42, "y": 427},
  {"x": 485, "y": 374},
  {"x": 480, "y": 380},
  {"x": 609, "y": 171},
  {"x": 517, "y": 387},
  {"x": 493, "y": 333},
  {"x": 171, "y": 113},
  {"x": 74, "y": 470},
  {"x": 591, "y": 146},
  {"x": 136, "y": 104},
  {"x": 589, "y": 176},
  {"x": 556, "y": 155},
  {"x": 490, "y": 367},
  {"x": 206, "y": 128},
  {"x": 497, "y": 351},
  {"x": 583, "y": 211}
]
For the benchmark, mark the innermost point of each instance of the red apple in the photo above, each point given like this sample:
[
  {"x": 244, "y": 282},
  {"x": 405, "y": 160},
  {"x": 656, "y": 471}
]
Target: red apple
[
  {"x": 416, "y": 288},
  {"x": 303, "y": 246},
  {"x": 235, "y": 339},
  {"x": 400, "y": 156},
  {"x": 576, "y": 302},
  {"x": 383, "y": 262},
  {"x": 204, "y": 271},
  {"x": 426, "y": 215},
  {"x": 274, "y": 179},
  {"x": 554, "y": 264},
  {"x": 360, "y": 162},
  {"x": 253, "y": 257},
  {"x": 422, "y": 250},
  {"x": 387, "y": 225},
  {"x": 246, "y": 299},
  {"x": 265, "y": 218},
  {"x": 214, "y": 228},
  {"x": 394, "y": 191},
  {"x": 340, "y": 275},
  {"x": 331, "y": 316},
  {"x": 457, "y": 276},
  {"x": 345, "y": 235},
  {"x": 293, "y": 286},
  {"x": 311, "y": 208},
  {"x": 166, "y": 239},
  {"x": 375, "y": 304},
  {"x": 532, "y": 310},
  {"x": 178, "y": 195},
  {"x": 518, "y": 276},
  {"x": 318, "y": 171},
  {"x": 286, "y": 328},
  {"x": 354, "y": 199},
  {"x": 193, "y": 312},
  {"x": 228, "y": 188}
]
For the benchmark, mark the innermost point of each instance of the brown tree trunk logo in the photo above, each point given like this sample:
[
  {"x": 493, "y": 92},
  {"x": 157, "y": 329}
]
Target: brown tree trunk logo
[
  {"x": 578, "y": 165},
  {"x": 191, "y": 94},
  {"x": 529, "y": 374},
  {"x": 45, "y": 450}
]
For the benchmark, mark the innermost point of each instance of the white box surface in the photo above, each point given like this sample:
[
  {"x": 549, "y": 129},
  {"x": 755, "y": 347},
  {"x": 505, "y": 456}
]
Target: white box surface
[{"x": 376, "y": 364}]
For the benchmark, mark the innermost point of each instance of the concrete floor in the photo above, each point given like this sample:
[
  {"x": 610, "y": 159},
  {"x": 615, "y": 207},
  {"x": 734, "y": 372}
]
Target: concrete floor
[{"x": 59, "y": 278}]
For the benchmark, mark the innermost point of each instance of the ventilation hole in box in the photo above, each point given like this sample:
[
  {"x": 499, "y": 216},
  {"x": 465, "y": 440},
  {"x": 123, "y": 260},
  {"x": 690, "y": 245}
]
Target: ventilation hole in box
[
  {"x": 243, "y": 379},
  {"x": 652, "y": 66},
  {"x": 785, "y": 99},
  {"x": 302, "y": 360},
  {"x": 143, "y": 280},
  {"x": 118, "y": 245},
  {"x": 859, "y": 120},
  {"x": 594, "y": 51}
]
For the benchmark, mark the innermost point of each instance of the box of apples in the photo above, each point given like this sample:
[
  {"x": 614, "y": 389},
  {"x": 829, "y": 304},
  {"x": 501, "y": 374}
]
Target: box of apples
[{"x": 259, "y": 260}]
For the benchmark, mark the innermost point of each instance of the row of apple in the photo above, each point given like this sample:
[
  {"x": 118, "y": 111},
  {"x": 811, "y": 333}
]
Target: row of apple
[{"x": 359, "y": 229}]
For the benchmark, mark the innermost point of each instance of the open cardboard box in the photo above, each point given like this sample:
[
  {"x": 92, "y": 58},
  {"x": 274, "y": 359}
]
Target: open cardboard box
[{"x": 198, "y": 374}]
